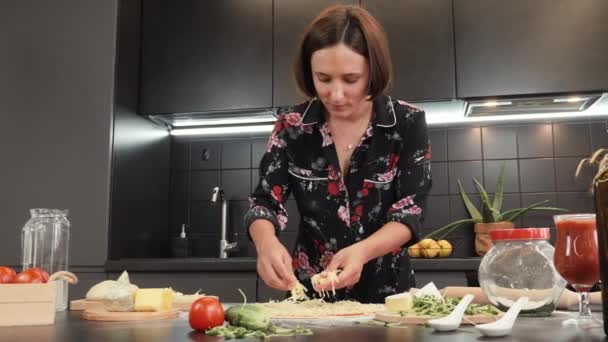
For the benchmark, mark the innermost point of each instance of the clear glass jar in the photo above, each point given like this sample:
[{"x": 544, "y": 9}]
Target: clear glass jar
[
  {"x": 521, "y": 264},
  {"x": 45, "y": 239}
]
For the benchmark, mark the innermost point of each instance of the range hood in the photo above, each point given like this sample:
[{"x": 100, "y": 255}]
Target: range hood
[
  {"x": 448, "y": 112},
  {"x": 574, "y": 107}
]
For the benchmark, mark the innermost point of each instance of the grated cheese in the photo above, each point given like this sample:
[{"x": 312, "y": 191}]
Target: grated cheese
[
  {"x": 317, "y": 280},
  {"x": 298, "y": 293},
  {"x": 316, "y": 308}
]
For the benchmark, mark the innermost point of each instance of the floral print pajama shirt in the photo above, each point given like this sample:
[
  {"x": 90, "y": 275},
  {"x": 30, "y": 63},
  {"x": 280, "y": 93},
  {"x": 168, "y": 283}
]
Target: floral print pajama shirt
[{"x": 388, "y": 179}]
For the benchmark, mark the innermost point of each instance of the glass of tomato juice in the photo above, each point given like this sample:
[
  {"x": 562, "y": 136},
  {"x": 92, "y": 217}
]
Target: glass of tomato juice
[{"x": 576, "y": 259}]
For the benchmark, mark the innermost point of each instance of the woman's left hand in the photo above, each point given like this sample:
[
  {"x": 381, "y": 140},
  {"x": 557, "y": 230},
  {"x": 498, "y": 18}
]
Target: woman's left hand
[{"x": 350, "y": 260}]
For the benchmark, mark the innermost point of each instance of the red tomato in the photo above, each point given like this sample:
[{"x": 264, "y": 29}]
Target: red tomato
[
  {"x": 206, "y": 313},
  {"x": 32, "y": 275},
  {"x": 42, "y": 273},
  {"x": 7, "y": 275}
]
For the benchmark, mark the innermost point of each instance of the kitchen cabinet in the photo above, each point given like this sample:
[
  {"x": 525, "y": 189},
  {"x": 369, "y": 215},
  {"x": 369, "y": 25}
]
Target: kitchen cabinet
[
  {"x": 206, "y": 55},
  {"x": 222, "y": 284},
  {"x": 420, "y": 34},
  {"x": 56, "y": 104},
  {"x": 290, "y": 19},
  {"x": 530, "y": 47}
]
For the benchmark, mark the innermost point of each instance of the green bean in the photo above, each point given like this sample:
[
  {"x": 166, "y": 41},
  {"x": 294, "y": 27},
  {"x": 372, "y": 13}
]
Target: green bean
[{"x": 437, "y": 307}]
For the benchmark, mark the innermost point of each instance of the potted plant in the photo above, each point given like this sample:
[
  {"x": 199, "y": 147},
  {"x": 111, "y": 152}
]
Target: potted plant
[
  {"x": 489, "y": 216},
  {"x": 599, "y": 158}
]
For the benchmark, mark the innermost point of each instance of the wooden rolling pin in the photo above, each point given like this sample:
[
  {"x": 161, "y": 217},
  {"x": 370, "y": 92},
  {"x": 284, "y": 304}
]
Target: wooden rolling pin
[{"x": 566, "y": 300}]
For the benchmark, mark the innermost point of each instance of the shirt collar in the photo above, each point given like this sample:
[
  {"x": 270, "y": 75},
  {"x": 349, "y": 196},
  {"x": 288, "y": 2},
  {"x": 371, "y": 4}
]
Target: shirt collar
[{"x": 383, "y": 108}]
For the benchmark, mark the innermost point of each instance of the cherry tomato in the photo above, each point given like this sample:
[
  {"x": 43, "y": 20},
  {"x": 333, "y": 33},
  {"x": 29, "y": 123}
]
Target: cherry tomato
[
  {"x": 32, "y": 275},
  {"x": 206, "y": 313},
  {"x": 7, "y": 275}
]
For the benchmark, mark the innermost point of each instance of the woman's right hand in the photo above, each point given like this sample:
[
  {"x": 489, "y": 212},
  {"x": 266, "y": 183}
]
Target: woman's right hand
[{"x": 274, "y": 262}]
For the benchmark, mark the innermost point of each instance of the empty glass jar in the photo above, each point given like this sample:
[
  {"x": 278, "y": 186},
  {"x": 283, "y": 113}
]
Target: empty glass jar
[
  {"x": 45, "y": 240},
  {"x": 521, "y": 264}
]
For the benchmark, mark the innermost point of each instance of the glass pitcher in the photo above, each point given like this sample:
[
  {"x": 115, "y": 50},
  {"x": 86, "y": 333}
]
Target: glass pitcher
[{"x": 45, "y": 240}]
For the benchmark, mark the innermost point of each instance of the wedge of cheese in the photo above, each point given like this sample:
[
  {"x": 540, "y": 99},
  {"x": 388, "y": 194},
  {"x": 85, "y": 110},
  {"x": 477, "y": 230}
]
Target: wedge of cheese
[
  {"x": 153, "y": 299},
  {"x": 399, "y": 302}
]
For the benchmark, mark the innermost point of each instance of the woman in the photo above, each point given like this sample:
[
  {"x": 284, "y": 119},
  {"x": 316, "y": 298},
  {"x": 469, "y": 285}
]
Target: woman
[{"x": 357, "y": 161}]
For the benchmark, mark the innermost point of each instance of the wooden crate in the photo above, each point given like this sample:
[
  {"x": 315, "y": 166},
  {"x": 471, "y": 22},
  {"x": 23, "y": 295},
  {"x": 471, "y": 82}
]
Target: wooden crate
[{"x": 27, "y": 304}]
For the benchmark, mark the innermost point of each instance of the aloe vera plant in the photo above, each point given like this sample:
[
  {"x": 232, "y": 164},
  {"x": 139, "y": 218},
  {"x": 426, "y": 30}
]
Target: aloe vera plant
[{"x": 490, "y": 211}]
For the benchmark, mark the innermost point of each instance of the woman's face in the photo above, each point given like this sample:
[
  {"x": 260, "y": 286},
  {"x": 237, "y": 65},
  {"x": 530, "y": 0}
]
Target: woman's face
[{"x": 340, "y": 77}]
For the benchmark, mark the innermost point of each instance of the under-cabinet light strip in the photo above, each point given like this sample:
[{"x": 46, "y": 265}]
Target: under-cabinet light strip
[
  {"x": 223, "y": 130},
  {"x": 219, "y": 122}
]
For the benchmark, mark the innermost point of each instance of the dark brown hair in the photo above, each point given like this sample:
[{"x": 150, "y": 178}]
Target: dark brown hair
[{"x": 357, "y": 29}]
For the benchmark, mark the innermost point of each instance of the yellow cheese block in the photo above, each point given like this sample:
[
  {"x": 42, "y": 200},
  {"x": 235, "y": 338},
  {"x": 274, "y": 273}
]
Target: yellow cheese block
[
  {"x": 153, "y": 299},
  {"x": 399, "y": 302}
]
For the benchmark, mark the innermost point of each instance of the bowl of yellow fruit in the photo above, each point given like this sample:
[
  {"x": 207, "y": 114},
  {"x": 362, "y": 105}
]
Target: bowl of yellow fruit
[{"x": 429, "y": 249}]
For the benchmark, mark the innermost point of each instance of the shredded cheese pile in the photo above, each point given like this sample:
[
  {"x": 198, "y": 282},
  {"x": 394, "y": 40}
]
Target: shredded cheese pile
[{"x": 316, "y": 308}]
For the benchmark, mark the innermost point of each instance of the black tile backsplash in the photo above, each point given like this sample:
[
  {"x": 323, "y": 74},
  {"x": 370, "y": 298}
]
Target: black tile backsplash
[
  {"x": 572, "y": 139},
  {"x": 575, "y": 202},
  {"x": 499, "y": 142},
  {"x": 440, "y": 178},
  {"x": 180, "y": 154},
  {"x": 539, "y": 218},
  {"x": 258, "y": 148},
  {"x": 235, "y": 155},
  {"x": 439, "y": 144},
  {"x": 205, "y": 218},
  {"x": 464, "y": 171},
  {"x": 565, "y": 169},
  {"x": 205, "y": 155},
  {"x": 458, "y": 211},
  {"x": 439, "y": 217},
  {"x": 599, "y": 136},
  {"x": 464, "y": 143},
  {"x": 179, "y": 213},
  {"x": 179, "y": 185},
  {"x": 205, "y": 245},
  {"x": 511, "y": 201},
  {"x": 236, "y": 184},
  {"x": 491, "y": 172},
  {"x": 202, "y": 184},
  {"x": 537, "y": 175},
  {"x": 536, "y": 170},
  {"x": 535, "y": 141}
]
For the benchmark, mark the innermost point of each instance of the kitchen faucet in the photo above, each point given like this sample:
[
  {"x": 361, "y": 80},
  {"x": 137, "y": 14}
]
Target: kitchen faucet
[{"x": 225, "y": 247}]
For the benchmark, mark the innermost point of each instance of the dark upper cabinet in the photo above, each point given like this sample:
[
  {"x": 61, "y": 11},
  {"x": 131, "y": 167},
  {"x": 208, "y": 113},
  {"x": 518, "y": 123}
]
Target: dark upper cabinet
[
  {"x": 421, "y": 39},
  {"x": 206, "y": 55},
  {"x": 290, "y": 20},
  {"x": 529, "y": 47}
]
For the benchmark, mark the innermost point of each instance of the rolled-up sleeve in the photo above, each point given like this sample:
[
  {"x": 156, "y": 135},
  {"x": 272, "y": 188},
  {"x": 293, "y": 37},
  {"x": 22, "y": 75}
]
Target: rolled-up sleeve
[
  {"x": 413, "y": 179},
  {"x": 268, "y": 199}
]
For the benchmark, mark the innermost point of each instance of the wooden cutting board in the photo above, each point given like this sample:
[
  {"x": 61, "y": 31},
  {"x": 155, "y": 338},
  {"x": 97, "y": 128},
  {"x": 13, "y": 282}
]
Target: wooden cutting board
[
  {"x": 85, "y": 304},
  {"x": 108, "y": 316},
  {"x": 390, "y": 317}
]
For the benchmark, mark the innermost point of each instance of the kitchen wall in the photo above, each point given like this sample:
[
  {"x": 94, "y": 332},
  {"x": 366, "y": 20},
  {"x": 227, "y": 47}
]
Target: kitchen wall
[{"x": 540, "y": 162}]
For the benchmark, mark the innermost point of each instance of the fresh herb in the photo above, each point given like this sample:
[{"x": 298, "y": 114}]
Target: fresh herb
[
  {"x": 234, "y": 332},
  {"x": 438, "y": 307},
  {"x": 250, "y": 320}
]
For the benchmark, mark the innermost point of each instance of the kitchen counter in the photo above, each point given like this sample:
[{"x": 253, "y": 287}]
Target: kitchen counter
[
  {"x": 69, "y": 326},
  {"x": 249, "y": 264}
]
